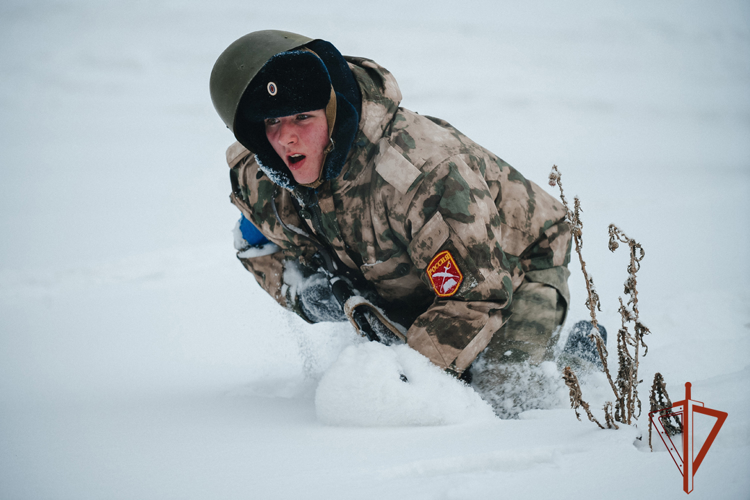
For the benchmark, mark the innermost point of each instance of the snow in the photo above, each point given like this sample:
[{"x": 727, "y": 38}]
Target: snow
[
  {"x": 261, "y": 251},
  {"x": 139, "y": 360},
  {"x": 364, "y": 388},
  {"x": 239, "y": 241}
]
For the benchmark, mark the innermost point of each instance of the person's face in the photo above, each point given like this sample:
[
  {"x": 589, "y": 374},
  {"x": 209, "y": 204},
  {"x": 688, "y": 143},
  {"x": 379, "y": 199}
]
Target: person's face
[{"x": 299, "y": 140}]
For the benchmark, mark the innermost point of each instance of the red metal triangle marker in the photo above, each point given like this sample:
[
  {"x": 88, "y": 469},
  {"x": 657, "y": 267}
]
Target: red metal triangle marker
[{"x": 687, "y": 462}]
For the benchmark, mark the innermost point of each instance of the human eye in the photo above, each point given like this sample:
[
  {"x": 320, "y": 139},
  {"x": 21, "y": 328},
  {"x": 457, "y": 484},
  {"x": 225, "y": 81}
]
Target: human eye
[
  {"x": 303, "y": 116},
  {"x": 271, "y": 121}
]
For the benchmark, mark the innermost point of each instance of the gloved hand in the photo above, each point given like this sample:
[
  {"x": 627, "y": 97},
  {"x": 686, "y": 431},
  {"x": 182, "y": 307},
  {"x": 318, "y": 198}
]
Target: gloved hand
[
  {"x": 317, "y": 301},
  {"x": 363, "y": 317}
]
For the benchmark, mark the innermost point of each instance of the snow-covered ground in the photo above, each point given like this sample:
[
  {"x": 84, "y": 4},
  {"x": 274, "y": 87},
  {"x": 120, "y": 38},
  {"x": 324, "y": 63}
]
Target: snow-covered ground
[{"x": 139, "y": 360}]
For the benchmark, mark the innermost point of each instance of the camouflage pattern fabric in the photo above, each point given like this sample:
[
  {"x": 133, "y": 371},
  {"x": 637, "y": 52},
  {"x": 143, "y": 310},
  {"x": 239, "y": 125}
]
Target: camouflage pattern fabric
[
  {"x": 414, "y": 186},
  {"x": 504, "y": 374},
  {"x": 535, "y": 314}
]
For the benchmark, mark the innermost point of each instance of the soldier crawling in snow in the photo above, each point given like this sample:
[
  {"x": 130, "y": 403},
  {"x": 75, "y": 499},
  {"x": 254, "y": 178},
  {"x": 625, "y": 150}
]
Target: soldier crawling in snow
[{"x": 353, "y": 207}]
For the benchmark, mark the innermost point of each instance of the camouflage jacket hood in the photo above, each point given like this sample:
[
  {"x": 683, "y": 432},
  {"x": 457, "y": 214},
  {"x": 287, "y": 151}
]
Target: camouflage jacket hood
[{"x": 412, "y": 188}]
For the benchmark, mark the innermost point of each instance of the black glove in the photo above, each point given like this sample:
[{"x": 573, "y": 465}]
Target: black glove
[
  {"x": 367, "y": 322},
  {"x": 317, "y": 301}
]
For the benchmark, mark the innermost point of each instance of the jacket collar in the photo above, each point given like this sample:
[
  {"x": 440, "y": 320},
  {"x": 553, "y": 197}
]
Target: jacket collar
[{"x": 381, "y": 97}]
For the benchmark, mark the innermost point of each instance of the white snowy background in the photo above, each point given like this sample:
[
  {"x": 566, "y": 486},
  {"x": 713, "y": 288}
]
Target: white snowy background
[{"x": 138, "y": 360}]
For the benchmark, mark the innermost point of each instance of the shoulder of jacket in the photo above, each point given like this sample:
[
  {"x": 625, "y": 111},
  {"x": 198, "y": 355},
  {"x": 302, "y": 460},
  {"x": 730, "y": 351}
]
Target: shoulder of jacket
[
  {"x": 425, "y": 141},
  {"x": 406, "y": 156},
  {"x": 236, "y": 153},
  {"x": 378, "y": 79}
]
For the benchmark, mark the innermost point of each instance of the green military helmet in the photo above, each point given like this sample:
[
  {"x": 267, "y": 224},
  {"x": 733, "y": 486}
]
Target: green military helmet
[{"x": 240, "y": 62}]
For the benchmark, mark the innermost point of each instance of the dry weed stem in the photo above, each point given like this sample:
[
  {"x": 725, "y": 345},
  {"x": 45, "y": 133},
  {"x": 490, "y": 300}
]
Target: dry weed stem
[
  {"x": 627, "y": 405},
  {"x": 659, "y": 401},
  {"x": 576, "y": 397}
]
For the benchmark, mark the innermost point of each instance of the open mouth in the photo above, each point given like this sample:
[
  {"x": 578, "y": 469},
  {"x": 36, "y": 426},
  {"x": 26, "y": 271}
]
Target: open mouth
[{"x": 295, "y": 158}]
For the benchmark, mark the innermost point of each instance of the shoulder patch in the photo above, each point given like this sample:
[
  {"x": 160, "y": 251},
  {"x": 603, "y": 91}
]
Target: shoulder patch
[
  {"x": 395, "y": 169},
  {"x": 444, "y": 274}
]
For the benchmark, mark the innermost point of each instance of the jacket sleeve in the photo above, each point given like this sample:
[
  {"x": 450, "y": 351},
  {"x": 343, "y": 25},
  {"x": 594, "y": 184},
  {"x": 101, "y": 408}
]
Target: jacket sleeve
[
  {"x": 296, "y": 287},
  {"x": 453, "y": 211},
  {"x": 276, "y": 264},
  {"x": 281, "y": 274},
  {"x": 266, "y": 264}
]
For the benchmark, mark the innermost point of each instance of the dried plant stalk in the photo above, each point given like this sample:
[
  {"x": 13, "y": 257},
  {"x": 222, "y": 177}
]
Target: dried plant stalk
[
  {"x": 624, "y": 375},
  {"x": 627, "y": 402},
  {"x": 627, "y": 376},
  {"x": 592, "y": 302},
  {"x": 576, "y": 397},
  {"x": 659, "y": 401},
  {"x": 608, "y": 416},
  {"x": 576, "y": 226}
]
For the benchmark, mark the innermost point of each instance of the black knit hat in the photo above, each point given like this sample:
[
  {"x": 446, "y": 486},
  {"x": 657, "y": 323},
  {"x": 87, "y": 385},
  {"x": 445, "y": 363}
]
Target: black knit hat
[
  {"x": 289, "y": 83},
  {"x": 294, "y": 82}
]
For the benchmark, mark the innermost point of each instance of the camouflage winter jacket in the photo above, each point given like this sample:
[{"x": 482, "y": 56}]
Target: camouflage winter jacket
[{"x": 413, "y": 187}]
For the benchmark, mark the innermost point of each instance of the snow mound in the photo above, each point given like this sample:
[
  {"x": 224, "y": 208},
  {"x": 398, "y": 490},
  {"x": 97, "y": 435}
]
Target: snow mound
[{"x": 364, "y": 388}]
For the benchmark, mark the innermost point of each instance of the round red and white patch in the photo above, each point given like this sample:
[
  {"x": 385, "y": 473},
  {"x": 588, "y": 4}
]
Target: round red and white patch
[{"x": 444, "y": 274}]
